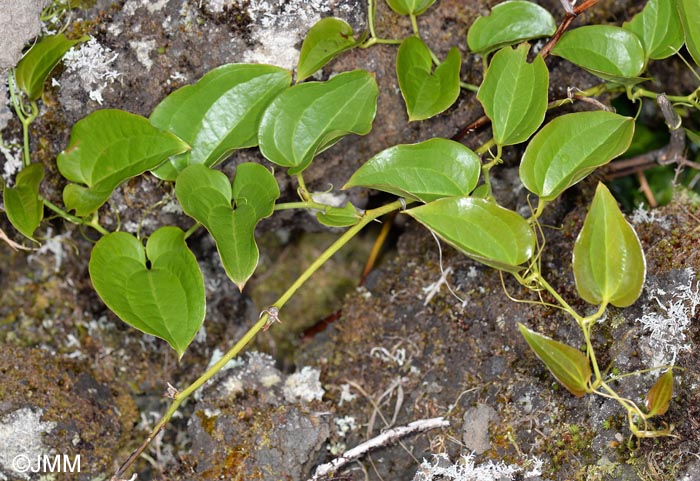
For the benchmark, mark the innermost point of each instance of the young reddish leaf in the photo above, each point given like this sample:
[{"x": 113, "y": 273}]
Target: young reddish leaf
[
  {"x": 568, "y": 365},
  {"x": 660, "y": 395}
]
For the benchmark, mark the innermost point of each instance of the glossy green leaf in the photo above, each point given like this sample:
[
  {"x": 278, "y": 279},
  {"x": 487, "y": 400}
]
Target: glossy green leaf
[
  {"x": 218, "y": 114},
  {"x": 426, "y": 92},
  {"x": 23, "y": 207},
  {"x": 609, "y": 265},
  {"x": 514, "y": 94},
  {"x": 609, "y": 52},
  {"x": 508, "y": 24},
  {"x": 660, "y": 394},
  {"x": 159, "y": 291},
  {"x": 310, "y": 117},
  {"x": 689, "y": 12},
  {"x": 425, "y": 171},
  {"x": 106, "y": 148},
  {"x": 572, "y": 146},
  {"x": 327, "y": 39},
  {"x": 38, "y": 63},
  {"x": 694, "y": 137},
  {"x": 206, "y": 195},
  {"x": 568, "y": 365},
  {"x": 481, "y": 229},
  {"x": 659, "y": 28},
  {"x": 410, "y": 7},
  {"x": 339, "y": 216}
]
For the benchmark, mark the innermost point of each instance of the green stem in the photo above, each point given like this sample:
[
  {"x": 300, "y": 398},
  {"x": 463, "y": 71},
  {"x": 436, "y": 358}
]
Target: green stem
[
  {"x": 302, "y": 190},
  {"x": 192, "y": 230},
  {"x": 485, "y": 147},
  {"x": 376, "y": 40},
  {"x": 565, "y": 305},
  {"x": 371, "y": 14},
  {"x": 414, "y": 25},
  {"x": 73, "y": 219},
  {"x": 470, "y": 87},
  {"x": 368, "y": 217},
  {"x": 26, "y": 122},
  {"x": 309, "y": 204}
]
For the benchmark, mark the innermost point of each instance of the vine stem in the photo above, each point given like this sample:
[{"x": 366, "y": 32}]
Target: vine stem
[
  {"x": 180, "y": 396},
  {"x": 71, "y": 218}
]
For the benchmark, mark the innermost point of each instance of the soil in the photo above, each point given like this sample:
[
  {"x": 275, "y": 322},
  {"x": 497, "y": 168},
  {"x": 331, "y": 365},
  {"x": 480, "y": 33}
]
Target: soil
[{"x": 77, "y": 380}]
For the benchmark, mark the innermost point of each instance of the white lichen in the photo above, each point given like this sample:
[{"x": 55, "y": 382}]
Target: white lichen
[
  {"x": 345, "y": 425},
  {"x": 643, "y": 216},
  {"x": 467, "y": 470},
  {"x": 304, "y": 386},
  {"x": 346, "y": 395},
  {"x": 93, "y": 63},
  {"x": 669, "y": 319},
  {"x": 54, "y": 245},
  {"x": 20, "y": 437},
  {"x": 143, "y": 49},
  {"x": 12, "y": 164}
]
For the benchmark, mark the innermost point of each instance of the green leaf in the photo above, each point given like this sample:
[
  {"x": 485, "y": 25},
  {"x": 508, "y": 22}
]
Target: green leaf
[
  {"x": 660, "y": 395},
  {"x": 659, "y": 28},
  {"x": 609, "y": 265},
  {"x": 410, "y": 7},
  {"x": 694, "y": 137},
  {"x": 310, "y": 117},
  {"x": 38, "y": 63},
  {"x": 106, "y": 148},
  {"x": 163, "y": 297},
  {"x": 514, "y": 94},
  {"x": 206, "y": 194},
  {"x": 327, "y": 39},
  {"x": 481, "y": 229},
  {"x": 23, "y": 207},
  {"x": 339, "y": 216},
  {"x": 425, "y": 92},
  {"x": 218, "y": 114},
  {"x": 509, "y": 23},
  {"x": 689, "y": 12},
  {"x": 568, "y": 365},
  {"x": 609, "y": 52},
  {"x": 426, "y": 171},
  {"x": 572, "y": 146}
]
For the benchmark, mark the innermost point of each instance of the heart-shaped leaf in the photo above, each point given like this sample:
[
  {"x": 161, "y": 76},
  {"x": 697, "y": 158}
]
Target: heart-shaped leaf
[
  {"x": 159, "y": 292},
  {"x": 514, "y": 94},
  {"x": 572, "y": 146},
  {"x": 106, "y": 148},
  {"x": 218, "y": 114},
  {"x": 660, "y": 395},
  {"x": 206, "y": 194},
  {"x": 37, "y": 64},
  {"x": 310, "y": 117},
  {"x": 509, "y": 23},
  {"x": 609, "y": 265},
  {"x": 339, "y": 216},
  {"x": 410, "y": 7},
  {"x": 481, "y": 229},
  {"x": 607, "y": 51},
  {"x": 23, "y": 207},
  {"x": 568, "y": 365},
  {"x": 425, "y": 92},
  {"x": 689, "y": 12},
  {"x": 659, "y": 28},
  {"x": 426, "y": 171},
  {"x": 327, "y": 39}
]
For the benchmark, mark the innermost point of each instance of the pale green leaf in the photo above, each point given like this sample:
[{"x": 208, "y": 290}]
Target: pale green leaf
[
  {"x": 426, "y": 92},
  {"x": 572, "y": 146},
  {"x": 218, "y": 114},
  {"x": 508, "y": 24},
  {"x": 689, "y": 12},
  {"x": 327, "y": 39},
  {"x": 607, "y": 51},
  {"x": 165, "y": 299},
  {"x": 514, "y": 94},
  {"x": 206, "y": 196},
  {"x": 410, "y": 7},
  {"x": 310, "y": 117},
  {"x": 23, "y": 207},
  {"x": 38, "y": 63},
  {"x": 659, "y": 28},
  {"x": 339, "y": 216},
  {"x": 425, "y": 171},
  {"x": 568, "y": 365},
  {"x": 106, "y": 148},
  {"x": 609, "y": 265},
  {"x": 481, "y": 229}
]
